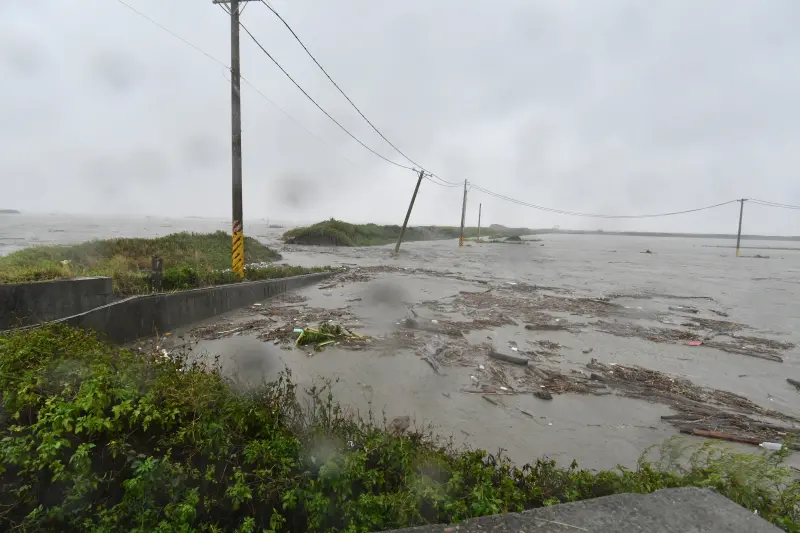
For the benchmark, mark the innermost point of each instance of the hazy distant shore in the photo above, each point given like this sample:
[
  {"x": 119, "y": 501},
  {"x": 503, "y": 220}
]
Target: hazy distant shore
[{"x": 795, "y": 238}]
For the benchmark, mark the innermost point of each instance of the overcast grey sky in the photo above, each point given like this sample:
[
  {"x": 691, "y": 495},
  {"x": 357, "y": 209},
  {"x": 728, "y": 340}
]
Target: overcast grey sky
[{"x": 605, "y": 106}]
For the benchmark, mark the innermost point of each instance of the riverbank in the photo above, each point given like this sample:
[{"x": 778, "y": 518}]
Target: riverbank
[
  {"x": 337, "y": 233},
  {"x": 124, "y": 441},
  {"x": 190, "y": 260}
]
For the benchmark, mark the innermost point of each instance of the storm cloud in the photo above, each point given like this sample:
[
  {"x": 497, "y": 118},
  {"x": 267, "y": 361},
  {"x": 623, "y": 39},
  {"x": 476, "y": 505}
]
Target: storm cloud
[{"x": 611, "y": 106}]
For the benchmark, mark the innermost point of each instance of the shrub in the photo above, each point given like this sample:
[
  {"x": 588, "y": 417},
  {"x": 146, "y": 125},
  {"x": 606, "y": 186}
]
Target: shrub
[{"x": 101, "y": 439}]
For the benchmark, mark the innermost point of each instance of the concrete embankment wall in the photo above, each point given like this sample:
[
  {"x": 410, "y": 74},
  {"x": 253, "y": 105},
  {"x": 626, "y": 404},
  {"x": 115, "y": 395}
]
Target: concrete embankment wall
[
  {"x": 26, "y": 304},
  {"x": 138, "y": 317},
  {"x": 144, "y": 316}
]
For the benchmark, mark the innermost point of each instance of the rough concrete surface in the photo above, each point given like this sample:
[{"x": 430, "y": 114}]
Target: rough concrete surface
[
  {"x": 144, "y": 316},
  {"x": 25, "y": 304},
  {"x": 666, "y": 511}
]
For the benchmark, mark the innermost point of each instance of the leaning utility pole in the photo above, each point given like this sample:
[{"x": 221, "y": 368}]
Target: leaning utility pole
[
  {"x": 408, "y": 213},
  {"x": 739, "y": 234},
  {"x": 463, "y": 215},
  {"x": 479, "y": 222},
  {"x": 237, "y": 247}
]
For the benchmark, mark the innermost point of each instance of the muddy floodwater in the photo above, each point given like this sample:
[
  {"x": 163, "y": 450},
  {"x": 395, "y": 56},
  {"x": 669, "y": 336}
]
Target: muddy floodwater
[{"x": 570, "y": 347}]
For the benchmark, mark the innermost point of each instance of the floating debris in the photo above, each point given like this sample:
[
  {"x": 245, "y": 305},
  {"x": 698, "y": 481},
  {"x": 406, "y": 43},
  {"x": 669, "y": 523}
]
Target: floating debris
[
  {"x": 327, "y": 334},
  {"x": 700, "y": 410},
  {"x": 509, "y": 358}
]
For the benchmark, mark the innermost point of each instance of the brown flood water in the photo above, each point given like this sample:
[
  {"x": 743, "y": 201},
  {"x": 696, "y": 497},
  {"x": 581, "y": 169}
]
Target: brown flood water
[{"x": 392, "y": 378}]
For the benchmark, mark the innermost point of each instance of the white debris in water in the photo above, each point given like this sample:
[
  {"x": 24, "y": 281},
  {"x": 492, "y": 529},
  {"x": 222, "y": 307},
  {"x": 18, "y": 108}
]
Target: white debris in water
[
  {"x": 435, "y": 321},
  {"x": 473, "y": 378},
  {"x": 503, "y": 388},
  {"x": 481, "y": 367},
  {"x": 514, "y": 348}
]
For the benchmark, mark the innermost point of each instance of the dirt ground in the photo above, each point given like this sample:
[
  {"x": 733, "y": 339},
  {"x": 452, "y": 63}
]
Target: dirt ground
[{"x": 535, "y": 370}]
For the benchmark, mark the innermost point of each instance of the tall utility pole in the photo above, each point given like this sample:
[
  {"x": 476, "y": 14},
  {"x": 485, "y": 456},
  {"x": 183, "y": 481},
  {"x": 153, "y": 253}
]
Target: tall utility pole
[
  {"x": 739, "y": 234},
  {"x": 237, "y": 245},
  {"x": 479, "y": 222},
  {"x": 463, "y": 215},
  {"x": 408, "y": 213}
]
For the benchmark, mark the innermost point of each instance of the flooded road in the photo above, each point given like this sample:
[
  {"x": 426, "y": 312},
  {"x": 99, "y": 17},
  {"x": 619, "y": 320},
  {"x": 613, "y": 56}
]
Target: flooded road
[
  {"x": 435, "y": 313},
  {"x": 582, "y": 299}
]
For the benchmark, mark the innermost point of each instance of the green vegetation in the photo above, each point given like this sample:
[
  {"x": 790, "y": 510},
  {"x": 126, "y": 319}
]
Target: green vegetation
[
  {"x": 190, "y": 260},
  {"x": 327, "y": 334},
  {"x": 98, "y": 439},
  {"x": 337, "y": 233}
]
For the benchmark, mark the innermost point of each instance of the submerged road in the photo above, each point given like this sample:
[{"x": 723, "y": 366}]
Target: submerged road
[{"x": 432, "y": 377}]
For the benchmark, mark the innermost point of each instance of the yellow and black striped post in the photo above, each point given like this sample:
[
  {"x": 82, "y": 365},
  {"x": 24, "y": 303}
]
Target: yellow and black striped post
[
  {"x": 237, "y": 250},
  {"x": 461, "y": 241}
]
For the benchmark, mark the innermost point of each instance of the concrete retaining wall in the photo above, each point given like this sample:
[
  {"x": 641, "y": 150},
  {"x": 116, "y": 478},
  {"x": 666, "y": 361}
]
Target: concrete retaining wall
[
  {"x": 663, "y": 511},
  {"x": 26, "y": 304},
  {"x": 144, "y": 316}
]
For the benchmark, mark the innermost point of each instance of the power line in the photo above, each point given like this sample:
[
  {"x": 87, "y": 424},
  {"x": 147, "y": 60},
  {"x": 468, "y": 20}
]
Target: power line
[
  {"x": 433, "y": 178},
  {"x": 212, "y": 58},
  {"x": 314, "y": 59},
  {"x": 359, "y": 141},
  {"x": 429, "y": 174},
  {"x": 248, "y": 82},
  {"x": 591, "y": 215},
  {"x": 441, "y": 183},
  {"x": 774, "y": 204}
]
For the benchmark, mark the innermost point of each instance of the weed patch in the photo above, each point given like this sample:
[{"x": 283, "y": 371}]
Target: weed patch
[
  {"x": 191, "y": 260},
  {"x": 97, "y": 438},
  {"x": 337, "y": 233}
]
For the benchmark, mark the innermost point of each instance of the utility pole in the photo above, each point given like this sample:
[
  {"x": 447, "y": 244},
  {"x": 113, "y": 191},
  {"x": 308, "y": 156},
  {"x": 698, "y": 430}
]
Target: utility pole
[
  {"x": 237, "y": 245},
  {"x": 408, "y": 213},
  {"x": 479, "y": 222},
  {"x": 739, "y": 234},
  {"x": 463, "y": 215}
]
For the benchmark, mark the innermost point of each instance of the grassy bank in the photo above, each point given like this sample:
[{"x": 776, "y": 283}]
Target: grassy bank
[
  {"x": 337, "y": 233},
  {"x": 191, "y": 260},
  {"x": 95, "y": 438}
]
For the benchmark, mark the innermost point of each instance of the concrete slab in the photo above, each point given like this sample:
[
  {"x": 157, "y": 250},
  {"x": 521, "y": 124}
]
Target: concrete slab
[
  {"x": 144, "y": 316},
  {"x": 26, "y": 304},
  {"x": 686, "y": 510}
]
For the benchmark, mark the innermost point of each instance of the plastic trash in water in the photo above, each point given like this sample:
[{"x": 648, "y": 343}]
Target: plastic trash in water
[
  {"x": 297, "y": 330},
  {"x": 771, "y": 446},
  {"x": 694, "y": 343}
]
